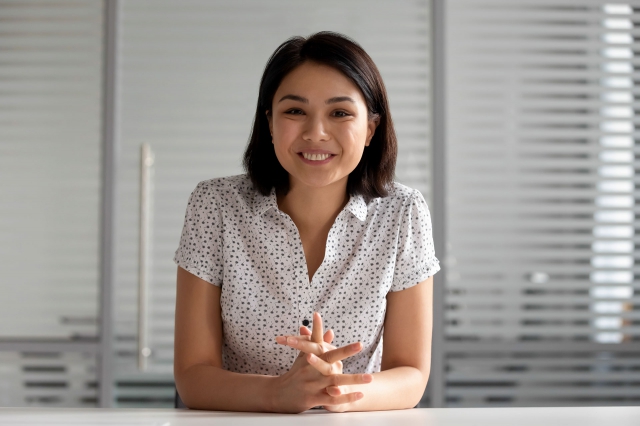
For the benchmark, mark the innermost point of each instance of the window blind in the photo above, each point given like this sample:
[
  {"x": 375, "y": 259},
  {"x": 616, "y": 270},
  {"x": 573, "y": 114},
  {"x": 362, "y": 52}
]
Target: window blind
[
  {"x": 189, "y": 79},
  {"x": 50, "y": 85},
  {"x": 50, "y": 78},
  {"x": 48, "y": 379},
  {"x": 542, "y": 291}
]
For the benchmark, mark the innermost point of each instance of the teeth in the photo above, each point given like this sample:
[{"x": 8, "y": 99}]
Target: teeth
[{"x": 315, "y": 157}]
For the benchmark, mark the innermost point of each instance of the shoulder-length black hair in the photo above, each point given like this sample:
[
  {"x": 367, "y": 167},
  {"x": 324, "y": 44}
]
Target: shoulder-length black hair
[{"x": 374, "y": 174}]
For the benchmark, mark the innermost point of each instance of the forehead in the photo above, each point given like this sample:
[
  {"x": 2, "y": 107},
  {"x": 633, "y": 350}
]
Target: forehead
[{"x": 313, "y": 79}]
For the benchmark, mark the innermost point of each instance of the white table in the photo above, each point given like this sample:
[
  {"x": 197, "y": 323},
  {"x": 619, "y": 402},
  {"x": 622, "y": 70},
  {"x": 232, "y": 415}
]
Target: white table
[{"x": 578, "y": 416}]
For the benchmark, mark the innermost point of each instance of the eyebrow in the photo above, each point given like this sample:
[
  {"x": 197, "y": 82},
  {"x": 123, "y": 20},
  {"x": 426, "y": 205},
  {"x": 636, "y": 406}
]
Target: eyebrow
[
  {"x": 340, "y": 99},
  {"x": 333, "y": 100},
  {"x": 295, "y": 98}
]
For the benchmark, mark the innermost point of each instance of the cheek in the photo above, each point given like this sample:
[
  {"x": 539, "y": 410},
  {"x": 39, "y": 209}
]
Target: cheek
[
  {"x": 356, "y": 136},
  {"x": 284, "y": 132}
]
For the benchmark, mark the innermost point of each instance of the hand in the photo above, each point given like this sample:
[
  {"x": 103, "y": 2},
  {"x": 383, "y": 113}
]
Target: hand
[
  {"x": 326, "y": 359},
  {"x": 331, "y": 390}
]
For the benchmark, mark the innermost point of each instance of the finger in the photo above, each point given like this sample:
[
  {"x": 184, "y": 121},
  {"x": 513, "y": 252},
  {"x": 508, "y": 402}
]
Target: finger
[
  {"x": 322, "y": 366},
  {"x": 341, "y": 399},
  {"x": 337, "y": 380},
  {"x": 306, "y": 346},
  {"x": 304, "y": 331},
  {"x": 342, "y": 353},
  {"x": 333, "y": 390},
  {"x": 283, "y": 339},
  {"x": 316, "y": 334},
  {"x": 294, "y": 342},
  {"x": 328, "y": 336}
]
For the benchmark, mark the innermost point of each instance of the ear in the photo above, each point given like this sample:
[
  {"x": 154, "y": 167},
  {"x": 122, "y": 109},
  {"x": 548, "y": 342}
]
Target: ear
[{"x": 371, "y": 128}]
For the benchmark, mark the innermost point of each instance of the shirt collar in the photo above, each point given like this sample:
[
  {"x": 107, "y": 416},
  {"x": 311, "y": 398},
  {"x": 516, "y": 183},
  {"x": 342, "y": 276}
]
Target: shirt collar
[
  {"x": 261, "y": 203},
  {"x": 357, "y": 206}
]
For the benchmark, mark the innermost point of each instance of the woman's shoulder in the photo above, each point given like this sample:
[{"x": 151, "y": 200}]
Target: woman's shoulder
[
  {"x": 237, "y": 183},
  {"x": 228, "y": 189},
  {"x": 399, "y": 195},
  {"x": 403, "y": 192},
  {"x": 401, "y": 201}
]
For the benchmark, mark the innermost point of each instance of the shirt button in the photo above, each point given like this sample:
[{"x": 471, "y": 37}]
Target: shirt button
[{"x": 305, "y": 322}]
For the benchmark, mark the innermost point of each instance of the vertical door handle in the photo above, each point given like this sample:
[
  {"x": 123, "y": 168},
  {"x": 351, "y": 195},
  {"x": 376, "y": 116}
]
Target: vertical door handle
[{"x": 144, "y": 252}]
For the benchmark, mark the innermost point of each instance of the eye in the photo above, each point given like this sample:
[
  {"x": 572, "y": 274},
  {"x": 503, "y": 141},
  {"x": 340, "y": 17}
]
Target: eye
[
  {"x": 294, "y": 111},
  {"x": 341, "y": 114}
]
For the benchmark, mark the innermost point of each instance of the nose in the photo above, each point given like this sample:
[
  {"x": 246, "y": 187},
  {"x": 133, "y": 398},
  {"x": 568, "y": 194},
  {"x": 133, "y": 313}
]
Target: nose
[{"x": 315, "y": 129}]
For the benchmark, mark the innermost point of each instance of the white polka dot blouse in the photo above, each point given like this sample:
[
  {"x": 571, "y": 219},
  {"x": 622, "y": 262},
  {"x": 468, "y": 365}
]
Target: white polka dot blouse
[{"x": 236, "y": 238}]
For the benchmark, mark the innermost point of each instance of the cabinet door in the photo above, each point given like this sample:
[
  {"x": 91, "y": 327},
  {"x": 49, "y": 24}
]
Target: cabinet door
[{"x": 188, "y": 87}]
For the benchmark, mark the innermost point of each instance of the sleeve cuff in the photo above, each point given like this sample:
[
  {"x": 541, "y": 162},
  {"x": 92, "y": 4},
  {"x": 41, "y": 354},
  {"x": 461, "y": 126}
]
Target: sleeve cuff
[
  {"x": 416, "y": 278},
  {"x": 181, "y": 262}
]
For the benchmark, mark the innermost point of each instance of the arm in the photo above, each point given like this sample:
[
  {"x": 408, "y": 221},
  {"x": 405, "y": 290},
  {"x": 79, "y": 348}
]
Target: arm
[
  {"x": 406, "y": 352},
  {"x": 200, "y": 379}
]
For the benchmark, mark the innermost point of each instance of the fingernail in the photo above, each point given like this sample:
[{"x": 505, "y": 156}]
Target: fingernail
[
  {"x": 359, "y": 395},
  {"x": 281, "y": 339},
  {"x": 292, "y": 340},
  {"x": 367, "y": 378},
  {"x": 356, "y": 346}
]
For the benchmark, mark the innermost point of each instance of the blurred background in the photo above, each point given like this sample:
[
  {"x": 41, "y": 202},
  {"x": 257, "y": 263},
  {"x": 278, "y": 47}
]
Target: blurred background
[{"x": 517, "y": 120}]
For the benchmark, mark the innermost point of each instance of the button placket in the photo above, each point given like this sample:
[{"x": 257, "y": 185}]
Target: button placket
[{"x": 300, "y": 273}]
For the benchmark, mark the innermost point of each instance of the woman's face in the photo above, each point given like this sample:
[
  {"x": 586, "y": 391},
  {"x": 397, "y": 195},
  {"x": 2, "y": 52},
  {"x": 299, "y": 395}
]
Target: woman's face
[{"x": 319, "y": 124}]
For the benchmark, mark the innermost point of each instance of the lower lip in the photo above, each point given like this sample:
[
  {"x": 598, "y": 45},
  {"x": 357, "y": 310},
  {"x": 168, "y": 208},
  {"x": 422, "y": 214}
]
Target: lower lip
[{"x": 317, "y": 162}]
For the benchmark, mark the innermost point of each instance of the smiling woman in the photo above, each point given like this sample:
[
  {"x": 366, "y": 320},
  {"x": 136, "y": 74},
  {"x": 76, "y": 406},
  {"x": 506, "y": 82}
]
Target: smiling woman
[
  {"x": 319, "y": 118},
  {"x": 343, "y": 65},
  {"x": 316, "y": 233}
]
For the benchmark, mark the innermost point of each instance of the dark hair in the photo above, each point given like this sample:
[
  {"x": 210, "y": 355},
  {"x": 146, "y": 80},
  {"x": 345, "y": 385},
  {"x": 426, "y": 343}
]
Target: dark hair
[{"x": 375, "y": 172}]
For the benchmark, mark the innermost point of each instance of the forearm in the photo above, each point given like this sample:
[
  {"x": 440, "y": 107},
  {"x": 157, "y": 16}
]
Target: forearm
[
  {"x": 206, "y": 387},
  {"x": 394, "y": 389}
]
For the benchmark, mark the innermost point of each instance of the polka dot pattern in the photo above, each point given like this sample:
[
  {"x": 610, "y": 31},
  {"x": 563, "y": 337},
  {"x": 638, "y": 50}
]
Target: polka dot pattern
[{"x": 236, "y": 238}]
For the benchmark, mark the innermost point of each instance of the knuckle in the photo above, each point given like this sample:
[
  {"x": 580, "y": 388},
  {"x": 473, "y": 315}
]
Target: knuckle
[{"x": 334, "y": 380}]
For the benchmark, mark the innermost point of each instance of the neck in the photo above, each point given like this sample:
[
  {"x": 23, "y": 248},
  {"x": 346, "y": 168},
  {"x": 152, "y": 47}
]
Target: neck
[{"x": 314, "y": 207}]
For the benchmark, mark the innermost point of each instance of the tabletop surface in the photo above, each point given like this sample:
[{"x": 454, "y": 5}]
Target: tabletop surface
[{"x": 548, "y": 416}]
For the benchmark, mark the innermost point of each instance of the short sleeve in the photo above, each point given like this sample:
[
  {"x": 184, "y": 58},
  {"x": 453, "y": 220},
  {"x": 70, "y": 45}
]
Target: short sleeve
[
  {"x": 200, "y": 249},
  {"x": 415, "y": 257}
]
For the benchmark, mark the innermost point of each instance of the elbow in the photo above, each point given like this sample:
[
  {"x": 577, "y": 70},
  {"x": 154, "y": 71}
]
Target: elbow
[
  {"x": 182, "y": 378},
  {"x": 426, "y": 372},
  {"x": 181, "y": 389},
  {"x": 422, "y": 380}
]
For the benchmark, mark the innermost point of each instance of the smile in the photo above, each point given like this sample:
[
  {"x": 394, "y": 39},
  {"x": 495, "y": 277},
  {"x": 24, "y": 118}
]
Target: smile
[{"x": 315, "y": 157}]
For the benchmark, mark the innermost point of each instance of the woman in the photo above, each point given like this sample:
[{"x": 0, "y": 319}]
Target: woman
[{"x": 316, "y": 231}]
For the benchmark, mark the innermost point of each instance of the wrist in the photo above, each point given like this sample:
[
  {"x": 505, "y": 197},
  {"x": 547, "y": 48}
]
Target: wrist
[{"x": 271, "y": 393}]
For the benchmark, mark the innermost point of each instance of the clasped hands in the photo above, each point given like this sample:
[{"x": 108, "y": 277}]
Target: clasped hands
[{"x": 316, "y": 378}]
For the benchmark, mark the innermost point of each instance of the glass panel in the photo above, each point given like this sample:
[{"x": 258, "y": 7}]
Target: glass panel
[
  {"x": 50, "y": 135},
  {"x": 47, "y": 379}
]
